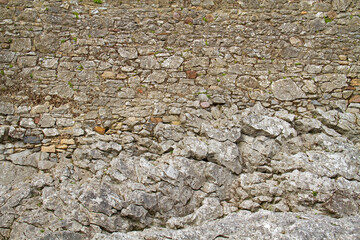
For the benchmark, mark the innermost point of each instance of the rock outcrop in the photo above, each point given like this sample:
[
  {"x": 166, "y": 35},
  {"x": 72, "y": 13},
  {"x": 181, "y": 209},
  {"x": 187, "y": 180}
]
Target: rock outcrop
[{"x": 201, "y": 119}]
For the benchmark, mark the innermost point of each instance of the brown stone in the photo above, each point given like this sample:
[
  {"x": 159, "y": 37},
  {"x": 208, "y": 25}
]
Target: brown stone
[
  {"x": 155, "y": 119},
  {"x": 67, "y": 141},
  {"x": 108, "y": 75},
  {"x": 355, "y": 82},
  {"x": 3, "y": 1},
  {"x": 5, "y": 45},
  {"x": 209, "y": 18},
  {"x": 49, "y": 149},
  {"x": 191, "y": 74},
  {"x": 176, "y": 123},
  {"x": 121, "y": 76},
  {"x": 61, "y": 146},
  {"x": 303, "y": 12},
  {"x": 188, "y": 20},
  {"x": 99, "y": 130},
  {"x": 332, "y": 14},
  {"x": 36, "y": 120},
  {"x": 355, "y": 99}
]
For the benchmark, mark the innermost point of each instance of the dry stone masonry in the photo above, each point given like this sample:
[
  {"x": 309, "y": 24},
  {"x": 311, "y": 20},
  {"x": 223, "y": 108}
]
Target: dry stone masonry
[{"x": 187, "y": 119}]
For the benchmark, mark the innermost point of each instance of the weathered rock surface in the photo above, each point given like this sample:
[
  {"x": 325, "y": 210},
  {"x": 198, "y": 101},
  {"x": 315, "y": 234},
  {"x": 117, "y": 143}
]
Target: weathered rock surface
[{"x": 192, "y": 119}]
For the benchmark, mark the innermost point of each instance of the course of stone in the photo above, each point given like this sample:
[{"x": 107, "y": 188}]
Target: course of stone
[{"x": 182, "y": 119}]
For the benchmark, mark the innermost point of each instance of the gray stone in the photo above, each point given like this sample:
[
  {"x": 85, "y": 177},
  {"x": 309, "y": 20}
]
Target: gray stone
[
  {"x": 306, "y": 125},
  {"x": 27, "y": 123},
  {"x": 6, "y": 108},
  {"x": 255, "y": 124},
  {"x": 17, "y": 133},
  {"x": 221, "y": 134},
  {"x": 27, "y": 61},
  {"x": 47, "y": 121},
  {"x": 285, "y": 89},
  {"x": 134, "y": 212},
  {"x": 6, "y": 56},
  {"x": 329, "y": 82},
  {"x": 149, "y": 62},
  {"x": 32, "y": 139},
  {"x": 244, "y": 224},
  {"x": 313, "y": 68},
  {"x": 23, "y": 158},
  {"x": 40, "y": 108},
  {"x": 172, "y": 62},
  {"x": 169, "y": 132},
  {"x": 11, "y": 174},
  {"x": 156, "y": 77},
  {"x": 64, "y": 235},
  {"x": 51, "y": 132},
  {"x": 226, "y": 154},
  {"x": 341, "y": 5},
  {"x": 128, "y": 53},
  {"x": 197, "y": 61},
  {"x": 3, "y": 132},
  {"x": 194, "y": 148},
  {"x": 21, "y": 45},
  {"x": 51, "y": 63},
  {"x": 65, "y": 122},
  {"x": 47, "y": 43}
]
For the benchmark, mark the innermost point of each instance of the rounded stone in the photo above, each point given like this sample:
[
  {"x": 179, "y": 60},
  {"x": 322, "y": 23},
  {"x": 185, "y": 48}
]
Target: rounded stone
[{"x": 205, "y": 104}]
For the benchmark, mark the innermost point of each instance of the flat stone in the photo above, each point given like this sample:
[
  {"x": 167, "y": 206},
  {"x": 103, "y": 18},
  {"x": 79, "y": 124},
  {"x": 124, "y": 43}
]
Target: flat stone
[
  {"x": 285, "y": 89},
  {"x": 191, "y": 74},
  {"x": 329, "y": 82},
  {"x": 99, "y": 130},
  {"x": 25, "y": 158},
  {"x": 65, "y": 122},
  {"x": 61, "y": 146},
  {"x": 67, "y": 141},
  {"x": 21, "y": 45},
  {"x": 50, "y": 132},
  {"x": 27, "y": 123},
  {"x": 355, "y": 99},
  {"x": 128, "y": 53},
  {"x": 205, "y": 104},
  {"x": 48, "y": 149},
  {"x": 6, "y": 108},
  {"x": 17, "y": 133},
  {"x": 32, "y": 139},
  {"x": 172, "y": 62},
  {"x": 47, "y": 121},
  {"x": 6, "y": 56},
  {"x": 108, "y": 75},
  {"x": 27, "y": 61},
  {"x": 47, "y": 43},
  {"x": 149, "y": 62},
  {"x": 157, "y": 76},
  {"x": 355, "y": 82}
]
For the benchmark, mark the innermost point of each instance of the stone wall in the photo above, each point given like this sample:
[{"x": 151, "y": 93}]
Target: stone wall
[{"x": 126, "y": 115}]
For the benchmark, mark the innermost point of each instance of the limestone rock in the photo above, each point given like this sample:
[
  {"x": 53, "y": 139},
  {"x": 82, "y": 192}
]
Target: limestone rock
[
  {"x": 194, "y": 148},
  {"x": 172, "y": 62},
  {"x": 6, "y": 108},
  {"x": 226, "y": 154},
  {"x": 285, "y": 89},
  {"x": 128, "y": 53}
]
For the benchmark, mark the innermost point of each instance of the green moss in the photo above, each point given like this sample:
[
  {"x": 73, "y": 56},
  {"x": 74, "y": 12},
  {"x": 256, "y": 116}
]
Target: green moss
[
  {"x": 76, "y": 15},
  {"x": 98, "y": 1},
  {"x": 327, "y": 19}
]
